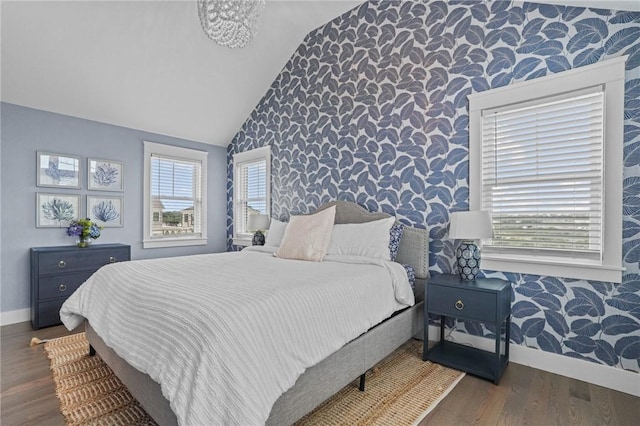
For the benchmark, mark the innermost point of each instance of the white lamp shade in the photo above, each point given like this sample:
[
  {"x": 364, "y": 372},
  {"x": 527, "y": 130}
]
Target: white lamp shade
[
  {"x": 472, "y": 225},
  {"x": 257, "y": 222}
]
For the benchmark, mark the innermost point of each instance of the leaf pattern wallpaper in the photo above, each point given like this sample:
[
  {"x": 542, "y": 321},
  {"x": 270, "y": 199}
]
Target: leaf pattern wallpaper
[{"x": 372, "y": 108}]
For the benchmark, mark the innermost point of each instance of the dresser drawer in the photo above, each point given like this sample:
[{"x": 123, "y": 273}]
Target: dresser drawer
[
  {"x": 461, "y": 303},
  {"x": 49, "y": 312},
  {"x": 62, "y": 285},
  {"x": 80, "y": 260}
]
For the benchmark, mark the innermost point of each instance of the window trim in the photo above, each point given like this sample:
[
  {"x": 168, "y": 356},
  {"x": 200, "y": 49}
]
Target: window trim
[
  {"x": 241, "y": 158},
  {"x": 189, "y": 154},
  {"x": 611, "y": 75}
]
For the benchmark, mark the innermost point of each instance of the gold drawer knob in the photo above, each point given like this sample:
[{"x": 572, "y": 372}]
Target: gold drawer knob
[
  {"x": 112, "y": 259},
  {"x": 62, "y": 264},
  {"x": 62, "y": 288},
  {"x": 459, "y": 305}
]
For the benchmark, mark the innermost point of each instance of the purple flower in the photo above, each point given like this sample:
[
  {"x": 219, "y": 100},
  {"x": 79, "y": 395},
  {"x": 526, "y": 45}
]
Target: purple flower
[
  {"x": 74, "y": 230},
  {"x": 84, "y": 228}
]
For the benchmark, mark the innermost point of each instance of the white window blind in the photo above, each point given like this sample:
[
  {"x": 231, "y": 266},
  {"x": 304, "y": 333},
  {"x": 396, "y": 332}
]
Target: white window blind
[
  {"x": 176, "y": 195},
  {"x": 542, "y": 175},
  {"x": 251, "y": 189}
]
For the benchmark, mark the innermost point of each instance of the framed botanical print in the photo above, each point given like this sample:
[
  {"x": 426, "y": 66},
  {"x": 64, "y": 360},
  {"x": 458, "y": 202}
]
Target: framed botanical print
[
  {"x": 105, "y": 175},
  {"x": 106, "y": 211},
  {"x": 58, "y": 170},
  {"x": 56, "y": 210}
]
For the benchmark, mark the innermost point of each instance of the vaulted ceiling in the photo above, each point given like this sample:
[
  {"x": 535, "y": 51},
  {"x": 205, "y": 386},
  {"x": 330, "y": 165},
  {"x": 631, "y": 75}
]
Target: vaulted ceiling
[{"x": 148, "y": 65}]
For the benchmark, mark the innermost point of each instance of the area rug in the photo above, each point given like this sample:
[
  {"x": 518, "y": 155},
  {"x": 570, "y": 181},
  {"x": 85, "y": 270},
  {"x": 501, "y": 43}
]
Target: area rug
[{"x": 400, "y": 390}]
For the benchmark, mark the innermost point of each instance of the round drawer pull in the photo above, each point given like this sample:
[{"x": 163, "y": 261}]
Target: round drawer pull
[
  {"x": 459, "y": 305},
  {"x": 62, "y": 288},
  {"x": 112, "y": 259},
  {"x": 62, "y": 264}
]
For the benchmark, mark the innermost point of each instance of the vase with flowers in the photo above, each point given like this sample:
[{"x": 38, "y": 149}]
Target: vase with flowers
[{"x": 84, "y": 230}]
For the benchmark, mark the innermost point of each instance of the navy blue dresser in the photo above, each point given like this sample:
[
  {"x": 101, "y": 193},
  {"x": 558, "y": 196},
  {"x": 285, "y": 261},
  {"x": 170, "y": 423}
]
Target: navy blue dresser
[{"x": 56, "y": 272}]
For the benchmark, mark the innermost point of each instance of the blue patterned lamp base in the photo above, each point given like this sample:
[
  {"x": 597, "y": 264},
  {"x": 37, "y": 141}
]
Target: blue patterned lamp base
[
  {"x": 468, "y": 260},
  {"x": 258, "y": 239}
]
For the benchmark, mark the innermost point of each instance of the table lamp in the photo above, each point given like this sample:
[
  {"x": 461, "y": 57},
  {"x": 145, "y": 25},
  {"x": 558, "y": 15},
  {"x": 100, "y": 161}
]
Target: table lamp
[
  {"x": 468, "y": 227},
  {"x": 258, "y": 223}
]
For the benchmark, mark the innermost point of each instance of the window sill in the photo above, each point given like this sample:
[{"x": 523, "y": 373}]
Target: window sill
[
  {"x": 564, "y": 268},
  {"x": 244, "y": 242},
  {"x": 174, "y": 242}
]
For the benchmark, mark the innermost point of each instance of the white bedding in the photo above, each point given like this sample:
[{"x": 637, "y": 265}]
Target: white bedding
[{"x": 226, "y": 334}]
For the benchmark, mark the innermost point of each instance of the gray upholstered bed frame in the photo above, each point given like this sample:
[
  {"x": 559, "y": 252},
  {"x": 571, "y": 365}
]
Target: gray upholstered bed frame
[{"x": 330, "y": 375}]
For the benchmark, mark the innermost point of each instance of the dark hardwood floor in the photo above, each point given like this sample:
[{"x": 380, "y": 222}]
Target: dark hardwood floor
[
  {"x": 525, "y": 396},
  {"x": 28, "y": 395}
]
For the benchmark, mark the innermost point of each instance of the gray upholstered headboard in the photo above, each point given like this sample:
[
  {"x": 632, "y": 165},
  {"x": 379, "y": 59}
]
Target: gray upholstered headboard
[{"x": 414, "y": 246}]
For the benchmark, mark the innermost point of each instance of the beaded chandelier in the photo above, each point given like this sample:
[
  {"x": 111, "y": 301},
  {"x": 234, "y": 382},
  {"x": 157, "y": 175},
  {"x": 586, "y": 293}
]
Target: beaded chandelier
[{"x": 230, "y": 23}]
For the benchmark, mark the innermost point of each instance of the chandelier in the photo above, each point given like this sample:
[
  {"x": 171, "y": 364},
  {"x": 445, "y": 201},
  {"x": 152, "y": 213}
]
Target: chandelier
[{"x": 230, "y": 23}]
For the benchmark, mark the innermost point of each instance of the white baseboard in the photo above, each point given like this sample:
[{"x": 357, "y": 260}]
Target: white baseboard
[
  {"x": 598, "y": 374},
  {"x": 12, "y": 317}
]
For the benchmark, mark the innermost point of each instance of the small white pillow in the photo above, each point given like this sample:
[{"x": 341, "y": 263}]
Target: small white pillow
[
  {"x": 307, "y": 237},
  {"x": 370, "y": 239},
  {"x": 275, "y": 233}
]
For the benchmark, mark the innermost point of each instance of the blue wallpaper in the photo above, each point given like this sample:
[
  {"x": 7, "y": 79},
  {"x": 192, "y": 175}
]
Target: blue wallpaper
[{"x": 372, "y": 108}]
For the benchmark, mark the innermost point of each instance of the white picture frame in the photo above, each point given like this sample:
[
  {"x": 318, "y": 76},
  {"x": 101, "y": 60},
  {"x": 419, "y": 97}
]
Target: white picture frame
[
  {"x": 56, "y": 210},
  {"x": 106, "y": 211},
  {"x": 55, "y": 170},
  {"x": 105, "y": 175}
]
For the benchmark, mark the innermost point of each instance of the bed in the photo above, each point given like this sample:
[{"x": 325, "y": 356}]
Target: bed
[{"x": 311, "y": 386}]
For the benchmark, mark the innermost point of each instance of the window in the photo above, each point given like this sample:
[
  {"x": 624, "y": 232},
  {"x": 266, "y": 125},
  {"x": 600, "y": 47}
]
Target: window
[
  {"x": 174, "y": 192},
  {"x": 546, "y": 162},
  {"x": 251, "y": 194}
]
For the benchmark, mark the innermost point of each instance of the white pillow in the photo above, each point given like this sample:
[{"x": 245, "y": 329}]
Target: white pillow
[
  {"x": 307, "y": 237},
  {"x": 275, "y": 233},
  {"x": 370, "y": 239}
]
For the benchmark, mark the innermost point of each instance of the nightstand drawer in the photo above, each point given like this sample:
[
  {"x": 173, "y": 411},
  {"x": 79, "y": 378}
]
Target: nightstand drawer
[
  {"x": 61, "y": 285},
  {"x": 80, "y": 260},
  {"x": 461, "y": 303}
]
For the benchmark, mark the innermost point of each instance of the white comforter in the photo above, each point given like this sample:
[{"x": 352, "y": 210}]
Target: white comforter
[{"x": 226, "y": 334}]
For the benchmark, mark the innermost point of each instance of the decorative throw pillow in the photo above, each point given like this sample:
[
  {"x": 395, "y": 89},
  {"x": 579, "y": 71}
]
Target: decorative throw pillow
[
  {"x": 395, "y": 235},
  {"x": 411, "y": 274},
  {"x": 307, "y": 237},
  {"x": 369, "y": 239},
  {"x": 275, "y": 233}
]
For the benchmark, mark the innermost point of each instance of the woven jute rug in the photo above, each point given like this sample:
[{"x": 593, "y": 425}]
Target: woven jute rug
[
  {"x": 89, "y": 392},
  {"x": 400, "y": 390}
]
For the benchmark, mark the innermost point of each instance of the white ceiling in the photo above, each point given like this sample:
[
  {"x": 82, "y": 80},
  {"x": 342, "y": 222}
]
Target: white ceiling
[{"x": 148, "y": 65}]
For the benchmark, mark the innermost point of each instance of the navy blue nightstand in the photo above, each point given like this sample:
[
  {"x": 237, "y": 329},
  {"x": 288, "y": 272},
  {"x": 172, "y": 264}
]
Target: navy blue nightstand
[{"x": 487, "y": 300}]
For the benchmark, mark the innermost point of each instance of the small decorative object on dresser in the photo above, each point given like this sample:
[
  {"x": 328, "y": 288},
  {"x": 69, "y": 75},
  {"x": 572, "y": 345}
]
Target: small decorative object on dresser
[
  {"x": 469, "y": 226},
  {"x": 487, "y": 300},
  {"x": 56, "y": 272},
  {"x": 84, "y": 230},
  {"x": 258, "y": 223}
]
